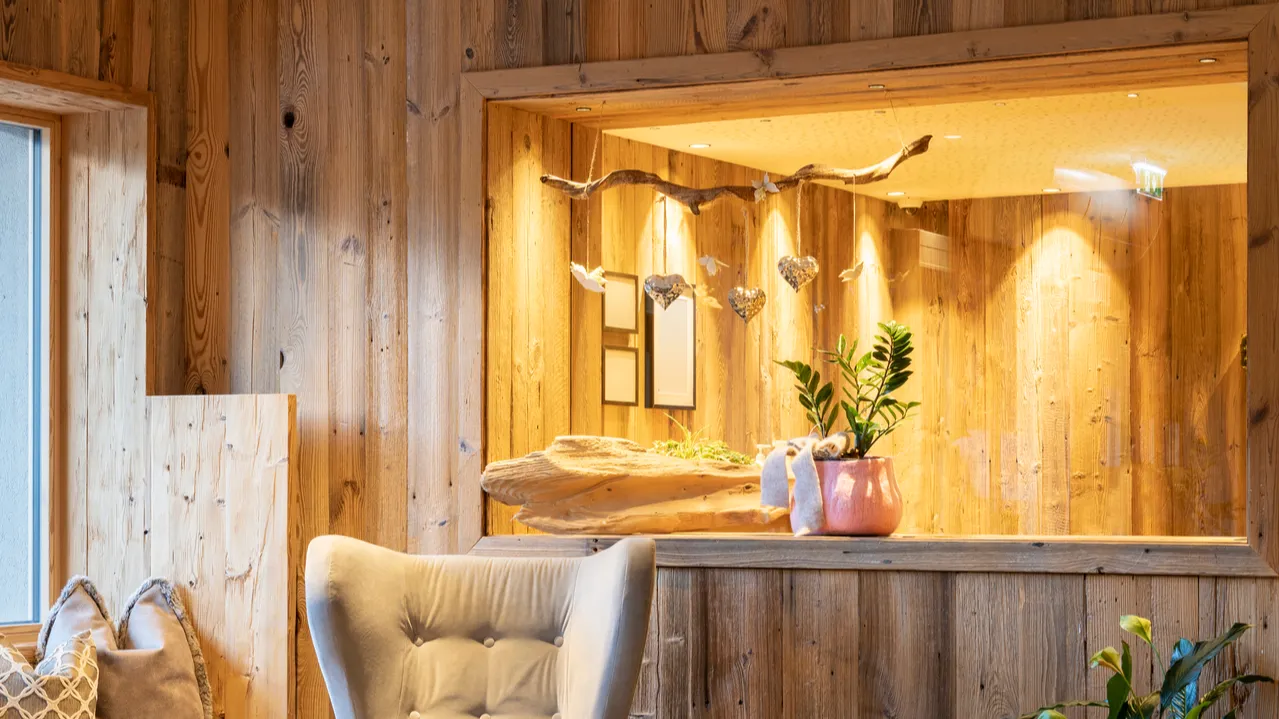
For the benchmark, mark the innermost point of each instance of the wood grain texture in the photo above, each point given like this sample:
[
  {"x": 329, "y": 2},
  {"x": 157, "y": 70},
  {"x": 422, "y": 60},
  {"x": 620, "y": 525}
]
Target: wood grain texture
[
  {"x": 1045, "y": 555},
  {"x": 208, "y": 203},
  {"x": 224, "y": 494},
  {"x": 1263, "y": 259}
]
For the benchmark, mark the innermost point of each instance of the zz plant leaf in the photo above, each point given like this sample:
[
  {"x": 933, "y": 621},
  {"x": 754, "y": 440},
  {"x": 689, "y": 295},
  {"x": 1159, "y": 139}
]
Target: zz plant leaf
[
  {"x": 1177, "y": 696},
  {"x": 867, "y": 384}
]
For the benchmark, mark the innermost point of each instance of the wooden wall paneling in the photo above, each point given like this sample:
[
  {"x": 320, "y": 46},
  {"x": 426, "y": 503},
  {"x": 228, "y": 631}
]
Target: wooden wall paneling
[
  {"x": 166, "y": 247},
  {"x": 1232, "y": 395},
  {"x": 680, "y": 241},
  {"x": 966, "y": 490},
  {"x": 820, "y": 643},
  {"x": 682, "y": 615},
  {"x": 208, "y": 253},
  {"x": 254, "y": 128},
  {"x": 117, "y": 514},
  {"x": 1151, "y": 345},
  {"x": 1172, "y": 604},
  {"x": 744, "y": 646},
  {"x": 716, "y": 321},
  {"x": 224, "y": 466},
  {"x": 125, "y": 38},
  {"x": 500, "y": 371},
  {"x": 74, "y": 330},
  {"x": 303, "y": 290},
  {"x": 433, "y": 170},
  {"x": 787, "y": 320},
  {"x": 586, "y": 307},
  {"x": 1100, "y": 471},
  {"x": 385, "y": 516},
  {"x": 1263, "y": 262},
  {"x": 1014, "y": 505},
  {"x": 1207, "y": 327},
  {"x": 344, "y": 194},
  {"x": 1023, "y": 639},
  {"x": 906, "y": 634},
  {"x": 528, "y": 263}
]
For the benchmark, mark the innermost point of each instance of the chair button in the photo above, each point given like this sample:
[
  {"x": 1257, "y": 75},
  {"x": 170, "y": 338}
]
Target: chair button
[
  {"x": 485, "y": 716},
  {"x": 489, "y": 643},
  {"x": 414, "y": 715},
  {"x": 559, "y": 642},
  {"x": 418, "y": 641}
]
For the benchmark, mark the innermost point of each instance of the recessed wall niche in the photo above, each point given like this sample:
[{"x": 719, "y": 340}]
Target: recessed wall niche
[{"x": 1078, "y": 342}]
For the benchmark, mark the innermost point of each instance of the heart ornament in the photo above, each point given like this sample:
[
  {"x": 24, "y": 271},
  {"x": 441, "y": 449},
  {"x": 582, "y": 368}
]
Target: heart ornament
[
  {"x": 665, "y": 289},
  {"x": 747, "y": 302},
  {"x": 797, "y": 271}
]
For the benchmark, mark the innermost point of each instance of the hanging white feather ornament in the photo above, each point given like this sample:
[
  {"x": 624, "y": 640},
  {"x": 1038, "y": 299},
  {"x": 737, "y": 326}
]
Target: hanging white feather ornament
[{"x": 592, "y": 280}]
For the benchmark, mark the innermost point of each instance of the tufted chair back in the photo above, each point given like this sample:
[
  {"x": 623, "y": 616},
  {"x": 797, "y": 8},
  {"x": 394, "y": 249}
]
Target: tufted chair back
[{"x": 457, "y": 637}]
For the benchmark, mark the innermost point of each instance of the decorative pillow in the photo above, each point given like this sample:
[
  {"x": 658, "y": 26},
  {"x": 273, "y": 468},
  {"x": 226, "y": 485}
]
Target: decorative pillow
[
  {"x": 62, "y": 686},
  {"x": 151, "y": 666}
]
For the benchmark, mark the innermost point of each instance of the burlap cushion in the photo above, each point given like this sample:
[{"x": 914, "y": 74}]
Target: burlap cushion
[
  {"x": 151, "y": 665},
  {"x": 64, "y": 685}
]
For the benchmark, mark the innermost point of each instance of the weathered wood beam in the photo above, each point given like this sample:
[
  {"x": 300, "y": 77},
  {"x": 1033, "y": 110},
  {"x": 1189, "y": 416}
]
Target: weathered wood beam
[
  {"x": 695, "y": 197},
  {"x": 601, "y": 485}
]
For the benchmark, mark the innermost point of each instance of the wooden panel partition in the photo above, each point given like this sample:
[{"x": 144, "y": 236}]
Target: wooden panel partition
[{"x": 224, "y": 504}]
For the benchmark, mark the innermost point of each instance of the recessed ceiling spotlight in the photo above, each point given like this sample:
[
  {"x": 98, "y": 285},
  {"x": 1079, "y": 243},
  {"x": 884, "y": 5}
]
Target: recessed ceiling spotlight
[
  {"x": 896, "y": 193},
  {"x": 583, "y": 108},
  {"x": 876, "y": 86},
  {"x": 1133, "y": 95},
  {"x": 766, "y": 119},
  {"x": 1000, "y": 104},
  {"x": 699, "y": 146},
  {"x": 1051, "y": 190},
  {"x": 881, "y": 112},
  {"x": 1207, "y": 60},
  {"x": 952, "y": 137}
]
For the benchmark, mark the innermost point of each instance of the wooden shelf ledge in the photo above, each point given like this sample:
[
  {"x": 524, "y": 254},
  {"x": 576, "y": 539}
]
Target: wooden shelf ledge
[{"x": 1186, "y": 556}]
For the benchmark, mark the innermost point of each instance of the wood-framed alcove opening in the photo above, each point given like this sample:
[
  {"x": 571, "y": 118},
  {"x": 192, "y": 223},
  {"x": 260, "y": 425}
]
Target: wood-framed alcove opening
[{"x": 1101, "y": 54}]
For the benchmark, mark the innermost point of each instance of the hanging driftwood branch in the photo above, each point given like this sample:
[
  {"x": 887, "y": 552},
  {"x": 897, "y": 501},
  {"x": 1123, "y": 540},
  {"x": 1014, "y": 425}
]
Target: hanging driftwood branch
[{"x": 695, "y": 197}]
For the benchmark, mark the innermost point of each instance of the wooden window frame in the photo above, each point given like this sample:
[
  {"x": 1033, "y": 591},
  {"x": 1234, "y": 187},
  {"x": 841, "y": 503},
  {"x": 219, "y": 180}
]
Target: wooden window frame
[
  {"x": 53, "y": 490},
  {"x": 726, "y": 85},
  {"x": 44, "y": 99}
]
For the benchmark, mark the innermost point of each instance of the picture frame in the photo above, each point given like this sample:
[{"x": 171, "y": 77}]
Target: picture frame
[
  {"x": 619, "y": 374},
  {"x": 670, "y": 353},
  {"x": 621, "y": 303}
]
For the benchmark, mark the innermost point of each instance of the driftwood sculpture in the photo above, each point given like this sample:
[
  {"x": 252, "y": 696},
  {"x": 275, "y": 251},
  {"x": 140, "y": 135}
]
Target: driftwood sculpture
[
  {"x": 601, "y": 485},
  {"x": 695, "y": 197}
]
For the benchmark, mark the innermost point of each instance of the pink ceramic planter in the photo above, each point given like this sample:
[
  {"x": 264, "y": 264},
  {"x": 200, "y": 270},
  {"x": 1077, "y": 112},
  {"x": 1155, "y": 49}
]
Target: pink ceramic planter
[{"x": 860, "y": 497}]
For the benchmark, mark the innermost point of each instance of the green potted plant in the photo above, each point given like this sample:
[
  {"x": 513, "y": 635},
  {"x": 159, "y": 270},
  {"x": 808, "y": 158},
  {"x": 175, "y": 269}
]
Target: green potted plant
[
  {"x": 859, "y": 490},
  {"x": 1178, "y": 694}
]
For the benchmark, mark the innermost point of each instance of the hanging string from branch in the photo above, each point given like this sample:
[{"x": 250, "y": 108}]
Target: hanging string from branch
[
  {"x": 592, "y": 280},
  {"x": 694, "y": 198}
]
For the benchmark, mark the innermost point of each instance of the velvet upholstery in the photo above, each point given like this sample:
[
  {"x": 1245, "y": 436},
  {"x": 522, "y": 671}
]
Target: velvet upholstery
[{"x": 450, "y": 637}]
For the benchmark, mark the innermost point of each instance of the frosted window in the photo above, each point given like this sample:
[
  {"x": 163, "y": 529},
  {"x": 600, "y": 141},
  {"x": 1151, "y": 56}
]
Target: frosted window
[{"x": 20, "y": 380}]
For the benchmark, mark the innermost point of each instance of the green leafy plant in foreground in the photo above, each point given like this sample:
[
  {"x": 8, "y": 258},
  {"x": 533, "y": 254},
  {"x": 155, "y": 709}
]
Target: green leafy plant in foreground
[
  {"x": 694, "y": 446},
  {"x": 1178, "y": 694},
  {"x": 868, "y": 405}
]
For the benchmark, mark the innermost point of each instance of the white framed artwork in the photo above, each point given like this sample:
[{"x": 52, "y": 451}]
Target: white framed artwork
[
  {"x": 670, "y": 354},
  {"x": 620, "y": 376},
  {"x": 621, "y": 303}
]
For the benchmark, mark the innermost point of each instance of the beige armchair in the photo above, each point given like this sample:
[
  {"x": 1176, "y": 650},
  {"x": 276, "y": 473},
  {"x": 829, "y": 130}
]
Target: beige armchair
[{"x": 435, "y": 637}]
